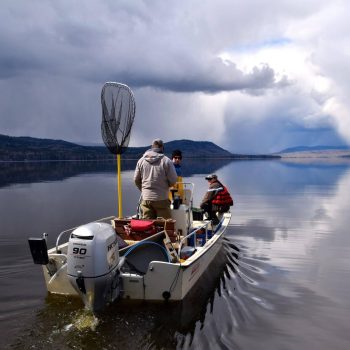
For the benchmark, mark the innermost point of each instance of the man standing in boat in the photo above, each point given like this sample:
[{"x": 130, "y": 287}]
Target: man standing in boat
[
  {"x": 154, "y": 175},
  {"x": 216, "y": 199}
]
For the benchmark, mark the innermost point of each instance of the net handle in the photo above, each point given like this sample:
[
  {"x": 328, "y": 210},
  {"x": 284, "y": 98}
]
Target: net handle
[{"x": 119, "y": 182}]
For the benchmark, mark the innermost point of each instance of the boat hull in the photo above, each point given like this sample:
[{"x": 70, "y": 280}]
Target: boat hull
[{"x": 162, "y": 280}]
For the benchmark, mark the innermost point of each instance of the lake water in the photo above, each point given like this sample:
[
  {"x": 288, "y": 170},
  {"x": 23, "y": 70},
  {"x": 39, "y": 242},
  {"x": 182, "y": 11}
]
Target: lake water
[{"x": 281, "y": 281}]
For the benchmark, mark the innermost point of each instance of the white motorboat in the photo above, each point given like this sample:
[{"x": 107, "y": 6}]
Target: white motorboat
[{"x": 107, "y": 259}]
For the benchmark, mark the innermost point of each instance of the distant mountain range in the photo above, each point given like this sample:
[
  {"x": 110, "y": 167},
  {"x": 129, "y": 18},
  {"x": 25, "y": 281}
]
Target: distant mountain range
[
  {"x": 315, "y": 149},
  {"x": 35, "y": 149},
  {"x": 304, "y": 152}
]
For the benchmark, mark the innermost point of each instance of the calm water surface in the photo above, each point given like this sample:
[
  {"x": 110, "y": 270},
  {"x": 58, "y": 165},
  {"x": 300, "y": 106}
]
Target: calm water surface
[{"x": 281, "y": 280}]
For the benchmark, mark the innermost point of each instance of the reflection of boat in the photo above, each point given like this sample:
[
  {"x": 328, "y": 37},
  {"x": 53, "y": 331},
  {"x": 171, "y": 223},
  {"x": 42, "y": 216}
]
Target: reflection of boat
[{"x": 131, "y": 258}]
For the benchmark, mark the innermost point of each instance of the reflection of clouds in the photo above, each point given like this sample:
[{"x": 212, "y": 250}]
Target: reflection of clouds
[
  {"x": 330, "y": 249},
  {"x": 307, "y": 274},
  {"x": 256, "y": 228},
  {"x": 302, "y": 229}
]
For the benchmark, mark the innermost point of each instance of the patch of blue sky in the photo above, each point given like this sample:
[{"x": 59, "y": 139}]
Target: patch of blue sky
[{"x": 272, "y": 43}]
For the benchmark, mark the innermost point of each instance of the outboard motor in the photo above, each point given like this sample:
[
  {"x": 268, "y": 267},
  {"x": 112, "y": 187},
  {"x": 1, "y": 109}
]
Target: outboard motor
[{"x": 92, "y": 264}]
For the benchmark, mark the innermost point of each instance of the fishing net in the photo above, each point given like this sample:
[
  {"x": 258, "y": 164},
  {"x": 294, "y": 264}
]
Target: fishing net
[{"x": 118, "y": 114}]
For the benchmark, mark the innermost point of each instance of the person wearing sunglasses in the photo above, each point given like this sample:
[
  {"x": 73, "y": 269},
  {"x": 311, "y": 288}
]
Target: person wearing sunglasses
[
  {"x": 177, "y": 158},
  {"x": 177, "y": 190}
]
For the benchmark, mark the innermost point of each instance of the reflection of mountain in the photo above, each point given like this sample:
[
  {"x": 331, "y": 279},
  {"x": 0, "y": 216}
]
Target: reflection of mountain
[
  {"x": 27, "y": 172},
  {"x": 204, "y": 166}
]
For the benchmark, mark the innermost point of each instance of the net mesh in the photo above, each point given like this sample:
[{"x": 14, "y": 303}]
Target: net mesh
[{"x": 118, "y": 114}]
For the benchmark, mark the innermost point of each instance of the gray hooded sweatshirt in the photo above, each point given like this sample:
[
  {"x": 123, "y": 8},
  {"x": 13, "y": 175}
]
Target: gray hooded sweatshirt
[{"x": 154, "y": 174}]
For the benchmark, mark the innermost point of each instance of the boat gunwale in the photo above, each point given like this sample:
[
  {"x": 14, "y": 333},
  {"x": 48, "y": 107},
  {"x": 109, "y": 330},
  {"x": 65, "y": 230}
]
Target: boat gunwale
[
  {"x": 189, "y": 262},
  {"x": 183, "y": 265}
]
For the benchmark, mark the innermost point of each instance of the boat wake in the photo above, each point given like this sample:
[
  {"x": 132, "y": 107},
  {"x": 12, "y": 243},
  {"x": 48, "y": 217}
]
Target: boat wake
[
  {"x": 83, "y": 320},
  {"x": 233, "y": 303}
]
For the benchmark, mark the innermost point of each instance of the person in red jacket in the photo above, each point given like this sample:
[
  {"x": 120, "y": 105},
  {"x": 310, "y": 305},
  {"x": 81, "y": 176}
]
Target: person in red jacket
[{"x": 216, "y": 199}]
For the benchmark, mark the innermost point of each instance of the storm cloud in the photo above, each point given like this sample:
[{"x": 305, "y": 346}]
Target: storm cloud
[{"x": 251, "y": 76}]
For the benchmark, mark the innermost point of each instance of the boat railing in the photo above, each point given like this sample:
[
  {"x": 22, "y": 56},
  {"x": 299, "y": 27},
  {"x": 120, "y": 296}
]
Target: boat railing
[
  {"x": 194, "y": 234},
  {"x": 72, "y": 229}
]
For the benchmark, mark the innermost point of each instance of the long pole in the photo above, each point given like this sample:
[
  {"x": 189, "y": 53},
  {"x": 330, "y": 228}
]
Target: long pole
[{"x": 120, "y": 201}]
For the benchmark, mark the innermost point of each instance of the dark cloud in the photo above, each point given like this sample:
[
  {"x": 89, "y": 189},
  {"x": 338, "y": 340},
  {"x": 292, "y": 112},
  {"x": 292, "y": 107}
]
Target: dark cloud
[
  {"x": 82, "y": 45},
  {"x": 56, "y": 55},
  {"x": 216, "y": 77}
]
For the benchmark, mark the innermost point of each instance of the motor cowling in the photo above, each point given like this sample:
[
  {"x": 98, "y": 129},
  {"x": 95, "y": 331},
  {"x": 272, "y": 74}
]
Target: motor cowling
[{"x": 92, "y": 262}]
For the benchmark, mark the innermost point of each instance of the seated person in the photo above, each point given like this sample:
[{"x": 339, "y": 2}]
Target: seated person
[{"x": 216, "y": 199}]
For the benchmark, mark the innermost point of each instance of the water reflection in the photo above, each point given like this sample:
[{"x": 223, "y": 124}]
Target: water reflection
[
  {"x": 282, "y": 281},
  {"x": 266, "y": 232},
  {"x": 29, "y": 172}
]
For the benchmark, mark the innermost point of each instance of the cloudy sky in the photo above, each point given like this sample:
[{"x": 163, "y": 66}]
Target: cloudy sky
[{"x": 253, "y": 76}]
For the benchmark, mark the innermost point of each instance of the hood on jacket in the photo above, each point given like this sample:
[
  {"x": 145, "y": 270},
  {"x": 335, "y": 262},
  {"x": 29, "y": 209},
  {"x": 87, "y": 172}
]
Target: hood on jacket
[{"x": 151, "y": 156}]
